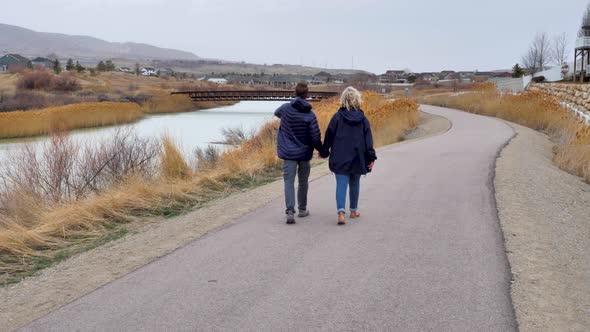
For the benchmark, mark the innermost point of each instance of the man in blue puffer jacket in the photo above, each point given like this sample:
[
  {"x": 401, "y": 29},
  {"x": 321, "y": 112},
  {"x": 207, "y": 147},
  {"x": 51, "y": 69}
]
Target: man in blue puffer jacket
[{"x": 299, "y": 134}]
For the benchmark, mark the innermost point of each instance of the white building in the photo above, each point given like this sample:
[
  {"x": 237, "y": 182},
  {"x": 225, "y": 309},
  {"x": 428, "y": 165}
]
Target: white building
[
  {"x": 217, "y": 80},
  {"x": 148, "y": 71}
]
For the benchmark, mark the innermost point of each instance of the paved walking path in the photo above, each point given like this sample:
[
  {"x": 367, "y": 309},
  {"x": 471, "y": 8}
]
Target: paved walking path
[{"x": 426, "y": 255}]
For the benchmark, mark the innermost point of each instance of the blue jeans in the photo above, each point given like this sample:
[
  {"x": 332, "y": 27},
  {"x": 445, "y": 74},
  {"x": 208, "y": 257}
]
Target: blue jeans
[
  {"x": 343, "y": 182},
  {"x": 301, "y": 169}
]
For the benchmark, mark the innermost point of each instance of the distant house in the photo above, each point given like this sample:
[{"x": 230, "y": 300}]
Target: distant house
[
  {"x": 11, "y": 61},
  {"x": 124, "y": 69},
  {"x": 321, "y": 78},
  {"x": 40, "y": 62},
  {"x": 396, "y": 74},
  {"x": 481, "y": 77},
  {"x": 428, "y": 76},
  {"x": 338, "y": 79},
  {"x": 385, "y": 79},
  {"x": 240, "y": 79},
  {"x": 148, "y": 71},
  {"x": 452, "y": 76},
  {"x": 503, "y": 74},
  {"x": 283, "y": 81},
  {"x": 466, "y": 74},
  {"x": 217, "y": 80}
]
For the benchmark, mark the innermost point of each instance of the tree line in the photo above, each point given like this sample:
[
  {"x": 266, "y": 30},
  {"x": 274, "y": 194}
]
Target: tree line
[{"x": 102, "y": 66}]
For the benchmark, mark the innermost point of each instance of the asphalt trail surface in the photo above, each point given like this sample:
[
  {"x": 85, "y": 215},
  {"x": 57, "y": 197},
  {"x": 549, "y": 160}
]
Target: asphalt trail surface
[{"x": 426, "y": 255}]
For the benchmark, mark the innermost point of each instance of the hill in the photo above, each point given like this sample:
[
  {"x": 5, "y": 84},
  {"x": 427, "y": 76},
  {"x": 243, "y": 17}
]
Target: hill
[{"x": 14, "y": 39}]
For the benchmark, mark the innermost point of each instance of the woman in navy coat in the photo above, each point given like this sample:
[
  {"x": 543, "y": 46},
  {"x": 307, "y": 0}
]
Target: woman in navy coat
[{"x": 349, "y": 144}]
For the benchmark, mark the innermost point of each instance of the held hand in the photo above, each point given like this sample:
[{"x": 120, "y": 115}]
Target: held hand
[{"x": 371, "y": 165}]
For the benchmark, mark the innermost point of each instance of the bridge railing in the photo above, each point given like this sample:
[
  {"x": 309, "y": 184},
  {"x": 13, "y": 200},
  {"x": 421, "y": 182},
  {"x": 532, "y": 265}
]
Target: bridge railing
[{"x": 251, "y": 94}]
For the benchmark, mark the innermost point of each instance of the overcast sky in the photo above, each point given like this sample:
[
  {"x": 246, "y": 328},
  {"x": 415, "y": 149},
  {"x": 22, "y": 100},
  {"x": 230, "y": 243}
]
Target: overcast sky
[{"x": 423, "y": 35}]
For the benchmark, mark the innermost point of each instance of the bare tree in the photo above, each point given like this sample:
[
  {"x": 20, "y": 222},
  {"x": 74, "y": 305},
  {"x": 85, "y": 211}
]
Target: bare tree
[
  {"x": 538, "y": 55},
  {"x": 529, "y": 61},
  {"x": 560, "y": 49},
  {"x": 542, "y": 44}
]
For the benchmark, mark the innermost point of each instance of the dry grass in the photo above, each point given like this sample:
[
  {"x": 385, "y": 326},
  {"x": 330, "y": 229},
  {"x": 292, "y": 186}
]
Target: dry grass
[
  {"x": 418, "y": 92},
  {"x": 161, "y": 101},
  {"x": 46, "y": 80},
  {"x": 8, "y": 82},
  {"x": 83, "y": 193},
  {"x": 534, "y": 110},
  {"x": 173, "y": 164},
  {"x": 389, "y": 120},
  {"x": 84, "y": 115}
]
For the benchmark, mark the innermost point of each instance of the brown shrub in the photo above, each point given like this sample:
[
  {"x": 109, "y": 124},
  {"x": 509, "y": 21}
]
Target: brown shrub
[
  {"x": 35, "y": 80},
  {"x": 46, "y": 80},
  {"x": 23, "y": 100},
  {"x": 66, "y": 83},
  {"x": 63, "y": 170}
]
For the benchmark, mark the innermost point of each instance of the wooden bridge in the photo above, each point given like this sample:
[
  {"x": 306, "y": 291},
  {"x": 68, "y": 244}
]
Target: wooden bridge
[{"x": 215, "y": 95}]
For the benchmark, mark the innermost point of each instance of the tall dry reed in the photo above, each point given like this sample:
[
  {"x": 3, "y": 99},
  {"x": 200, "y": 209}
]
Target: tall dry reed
[
  {"x": 390, "y": 120},
  {"x": 534, "y": 110},
  {"x": 84, "y": 115}
]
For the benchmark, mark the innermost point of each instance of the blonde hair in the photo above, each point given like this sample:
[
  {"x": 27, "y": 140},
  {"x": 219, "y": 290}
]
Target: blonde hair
[{"x": 351, "y": 99}]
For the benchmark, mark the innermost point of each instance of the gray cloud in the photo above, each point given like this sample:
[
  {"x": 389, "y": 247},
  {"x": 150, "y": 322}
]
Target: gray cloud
[{"x": 421, "y": 35}]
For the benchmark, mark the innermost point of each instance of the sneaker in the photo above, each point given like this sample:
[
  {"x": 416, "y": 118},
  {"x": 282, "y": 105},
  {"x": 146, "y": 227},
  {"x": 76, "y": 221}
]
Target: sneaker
[
  {"x": 290, "y": 218},
  {"x": 341, "y": 218},
  {"x": 303, "y": 214}
]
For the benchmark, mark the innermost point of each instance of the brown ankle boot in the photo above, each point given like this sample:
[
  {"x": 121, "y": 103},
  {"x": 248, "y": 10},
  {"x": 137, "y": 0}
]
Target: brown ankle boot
[
  {"x": 341, "y": 218},
  {"x": 354, "y": 214}
]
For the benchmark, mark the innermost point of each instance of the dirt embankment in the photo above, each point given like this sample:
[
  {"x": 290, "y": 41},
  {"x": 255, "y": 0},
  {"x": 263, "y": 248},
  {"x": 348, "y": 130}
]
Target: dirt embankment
[{"x": 545, "y": 217}]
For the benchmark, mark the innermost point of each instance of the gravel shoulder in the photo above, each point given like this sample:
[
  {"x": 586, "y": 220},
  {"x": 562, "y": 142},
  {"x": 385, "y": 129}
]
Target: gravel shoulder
[
  {"x": 545, "y": 217},
  {"x": 67, "y": 281}
]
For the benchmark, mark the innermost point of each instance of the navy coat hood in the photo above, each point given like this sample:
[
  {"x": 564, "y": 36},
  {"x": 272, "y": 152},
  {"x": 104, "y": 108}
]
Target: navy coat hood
[
  {"x": 301, "y": 105},
  {"x": 299, "y": 133},
  {"x": 353, "y": 118},
  {"x": 349, "y": 142}
]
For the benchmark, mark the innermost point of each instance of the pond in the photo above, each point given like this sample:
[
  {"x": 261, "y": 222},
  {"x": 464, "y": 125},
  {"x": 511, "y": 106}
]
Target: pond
[{"x": 190, "y": 129}]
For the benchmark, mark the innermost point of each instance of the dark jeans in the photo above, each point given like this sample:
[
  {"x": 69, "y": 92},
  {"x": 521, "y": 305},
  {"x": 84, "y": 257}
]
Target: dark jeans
[
  {"x": 301, "y": 169},
  {"x": 344, "y": 182}
]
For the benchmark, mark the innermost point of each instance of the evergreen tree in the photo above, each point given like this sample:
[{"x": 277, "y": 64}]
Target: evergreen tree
[
  {"x": 56, "y": 66},
  {"x": 79, "y": 67},
  {"x": 70, "y": 65},
  {"x": 517, "y": 71},
  {"x": 109, "y": 65},
  {"x": 137, "y": 71},
  {"x": 101, "y": 66}
]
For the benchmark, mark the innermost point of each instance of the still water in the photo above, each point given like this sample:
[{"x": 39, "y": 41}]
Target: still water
[{"x": 190, "y": 130}]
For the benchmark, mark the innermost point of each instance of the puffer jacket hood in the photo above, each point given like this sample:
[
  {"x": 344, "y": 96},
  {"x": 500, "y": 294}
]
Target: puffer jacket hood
[
  {"x": 349, "y": 143},
  {"x": 301, "y": 105},
  {"x": 299, "y": 133},
  {"x": 352, "y": 117}
]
